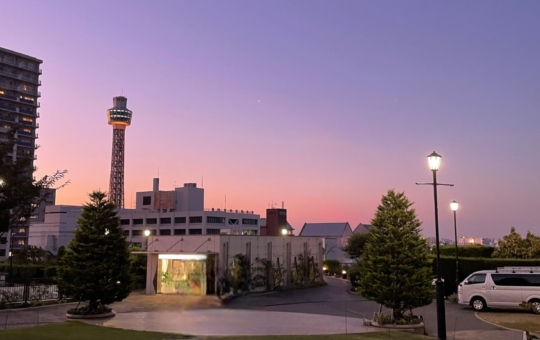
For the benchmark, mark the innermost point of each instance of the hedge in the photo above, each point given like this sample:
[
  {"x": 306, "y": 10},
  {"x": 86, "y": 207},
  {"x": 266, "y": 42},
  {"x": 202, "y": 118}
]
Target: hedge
[
  {"x": 27, "y": 271},
  {"x": 467, "y": 251},
  {"x": 467, "y": 266}
]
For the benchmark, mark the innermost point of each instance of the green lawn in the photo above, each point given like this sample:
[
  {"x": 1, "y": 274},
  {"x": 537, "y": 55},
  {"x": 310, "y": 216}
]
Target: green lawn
[
  {"x": 74, "y": 330},
  {"x": 520, "y": 320}
]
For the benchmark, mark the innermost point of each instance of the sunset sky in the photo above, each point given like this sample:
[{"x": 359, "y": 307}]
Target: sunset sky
[{"x": 324, "y": 105}]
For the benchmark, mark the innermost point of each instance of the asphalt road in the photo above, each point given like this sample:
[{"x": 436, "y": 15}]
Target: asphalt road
[{"x": 335, "y": 300}]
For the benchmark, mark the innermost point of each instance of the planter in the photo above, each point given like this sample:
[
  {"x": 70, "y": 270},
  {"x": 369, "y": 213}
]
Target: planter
[
  {"x": 91, "y": 316},
  {"x": 414, "y": 328}
]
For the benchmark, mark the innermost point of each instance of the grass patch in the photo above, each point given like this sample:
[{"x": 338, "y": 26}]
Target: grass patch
[
  {"x": 74, "y": 330},
  {"x": 520, "y": 320},
  {"x": 362, "y": 336}
]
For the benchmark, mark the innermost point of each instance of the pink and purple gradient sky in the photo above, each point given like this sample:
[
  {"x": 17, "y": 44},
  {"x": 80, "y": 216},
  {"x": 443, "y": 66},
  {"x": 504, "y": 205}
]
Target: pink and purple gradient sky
[{"x": 323, "y": 105}]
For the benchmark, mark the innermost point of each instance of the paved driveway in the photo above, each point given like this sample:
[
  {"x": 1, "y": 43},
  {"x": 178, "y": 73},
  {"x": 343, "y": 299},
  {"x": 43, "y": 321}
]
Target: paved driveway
[{"x": 335, "y": 300}]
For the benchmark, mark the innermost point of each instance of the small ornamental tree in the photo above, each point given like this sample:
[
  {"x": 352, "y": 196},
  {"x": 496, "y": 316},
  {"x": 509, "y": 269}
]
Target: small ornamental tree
[
  {"x": 395, "y": 269},
  {"x": 96, "y": 267}
]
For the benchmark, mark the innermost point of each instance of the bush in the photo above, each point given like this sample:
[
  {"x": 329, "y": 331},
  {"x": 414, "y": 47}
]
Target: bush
[
  {"x": 475, "y": 250},
  {"x": 101, "y": 309},
  {"x": 467, "y": 266},
  {"x": 50, "y": 272},
  {"x": 23, "y": 271},
  {"x": 354, "y": 275}
]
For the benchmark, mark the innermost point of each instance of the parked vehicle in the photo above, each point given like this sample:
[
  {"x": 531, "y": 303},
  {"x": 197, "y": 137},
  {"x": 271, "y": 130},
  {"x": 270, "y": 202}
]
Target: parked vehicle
[{"x": 505, "y": 287}]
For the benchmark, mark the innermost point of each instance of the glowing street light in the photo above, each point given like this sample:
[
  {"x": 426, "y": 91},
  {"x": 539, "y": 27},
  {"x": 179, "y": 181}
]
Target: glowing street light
[
  {"x": 284, "y": 231},
  {"x": 146, "y": 234}
]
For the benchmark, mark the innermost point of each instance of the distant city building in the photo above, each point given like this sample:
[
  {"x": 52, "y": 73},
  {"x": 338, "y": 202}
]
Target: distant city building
[
  {"x": 275, "y": 223},
  {"x": 162, "y": 213},
  {"x": 464, "y": 241},
  {"x": 120, "y": 118},
  {"x": 19, "y": 83},
  {"x": 335, "y": 238}
]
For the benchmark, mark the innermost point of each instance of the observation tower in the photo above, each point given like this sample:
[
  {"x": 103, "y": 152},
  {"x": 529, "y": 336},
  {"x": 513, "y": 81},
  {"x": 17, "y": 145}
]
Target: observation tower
[{"x": 119, "y": 117}]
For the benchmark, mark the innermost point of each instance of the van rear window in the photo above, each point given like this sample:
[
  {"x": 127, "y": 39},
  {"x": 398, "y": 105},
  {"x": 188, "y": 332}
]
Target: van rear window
[{"x": 519, "y": 280}]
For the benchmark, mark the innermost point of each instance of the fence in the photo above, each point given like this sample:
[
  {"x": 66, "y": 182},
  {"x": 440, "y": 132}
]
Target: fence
[{"x": 33, "y": 290}]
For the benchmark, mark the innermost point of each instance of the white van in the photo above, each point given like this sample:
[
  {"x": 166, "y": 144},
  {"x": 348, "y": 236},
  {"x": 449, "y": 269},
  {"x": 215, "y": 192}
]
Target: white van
[{"x": 504, "y": 287}]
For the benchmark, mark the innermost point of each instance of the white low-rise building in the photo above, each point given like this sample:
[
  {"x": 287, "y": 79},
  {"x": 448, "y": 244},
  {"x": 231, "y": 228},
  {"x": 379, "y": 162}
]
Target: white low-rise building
[{"x": 162, "y": 213}]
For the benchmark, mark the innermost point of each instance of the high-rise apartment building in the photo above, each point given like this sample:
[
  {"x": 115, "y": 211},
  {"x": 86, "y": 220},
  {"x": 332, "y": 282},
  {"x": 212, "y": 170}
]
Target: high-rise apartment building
[{"x": 19, "y": 84}]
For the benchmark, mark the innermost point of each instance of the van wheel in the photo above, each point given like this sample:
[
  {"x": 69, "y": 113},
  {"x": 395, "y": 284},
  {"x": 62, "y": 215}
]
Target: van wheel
[
  {"x": 535, "y": 305},
  {"x": 478, "y": 303}
]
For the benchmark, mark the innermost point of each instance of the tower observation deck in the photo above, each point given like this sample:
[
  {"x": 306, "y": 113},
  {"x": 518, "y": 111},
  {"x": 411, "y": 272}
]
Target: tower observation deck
[{"x": 119, "y": 117}]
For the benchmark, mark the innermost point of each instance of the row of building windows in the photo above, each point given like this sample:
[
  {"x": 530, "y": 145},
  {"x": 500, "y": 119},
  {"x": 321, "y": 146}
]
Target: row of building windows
[
  {"x": 167, "y": 232},
  {"x": 192, "y": 219}
]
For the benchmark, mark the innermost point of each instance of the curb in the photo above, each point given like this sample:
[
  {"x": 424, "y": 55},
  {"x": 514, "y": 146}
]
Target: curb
[
  {"x": 36, "y": 307},
  {"x": 499, "y": 326}
]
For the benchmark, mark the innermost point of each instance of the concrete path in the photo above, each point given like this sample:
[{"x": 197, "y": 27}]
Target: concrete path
[{"x": 226, "y": 322}]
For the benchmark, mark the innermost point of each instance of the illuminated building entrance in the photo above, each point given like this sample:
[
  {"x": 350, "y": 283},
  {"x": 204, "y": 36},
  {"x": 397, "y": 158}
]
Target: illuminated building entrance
[{"x": 181, "y": 274}]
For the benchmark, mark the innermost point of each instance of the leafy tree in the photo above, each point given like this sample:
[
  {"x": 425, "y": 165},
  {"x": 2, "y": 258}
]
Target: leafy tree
[
  {"x": 20, "y": 192},
  {"x": 138, "y": 268},
  {"x": 396, "y": 271},
  {"x": 514, "y": 246},
  {"x": 355, "y": 245},
  {"x": 31, "y": 255},
  {"x": 240, "y": 273},
  {"x": 96, "y": 268}
]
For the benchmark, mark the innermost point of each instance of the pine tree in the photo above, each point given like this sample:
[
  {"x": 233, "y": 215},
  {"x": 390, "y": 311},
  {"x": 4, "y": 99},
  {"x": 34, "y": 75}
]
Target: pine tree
[
  {"x": 395, "y": 268},
  {"x": 96, "y": 268}
]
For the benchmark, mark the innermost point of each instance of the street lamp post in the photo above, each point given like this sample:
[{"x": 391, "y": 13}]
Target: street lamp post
[
  {"x": 454, "y": 206},
  {"x": 434, "y": 161},
  {"x": 11, "y": 255},
  {"x": 146, "y": 234}
]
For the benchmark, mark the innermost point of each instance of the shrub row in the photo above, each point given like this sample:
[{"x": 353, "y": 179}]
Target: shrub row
[
  {"x": 467, "y": 251},
  {"x": 467, "y": 266},
  {"x": 27, "y": 271}
]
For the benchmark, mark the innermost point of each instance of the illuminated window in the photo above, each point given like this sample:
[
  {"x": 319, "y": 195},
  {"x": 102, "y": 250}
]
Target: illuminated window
[
  {"x": 27, "y": 130},
  {"x": 26, "y": 119},
  {"x": 20, "y": 242},
  {"x": 22, "y": 230}
]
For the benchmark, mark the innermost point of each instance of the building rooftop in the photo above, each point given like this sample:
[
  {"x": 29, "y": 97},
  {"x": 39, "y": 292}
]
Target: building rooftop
[
  {"x": 326, "y": 229},
  {"x": 362, "y": 228},
  {"x": 20, "y": 54}
]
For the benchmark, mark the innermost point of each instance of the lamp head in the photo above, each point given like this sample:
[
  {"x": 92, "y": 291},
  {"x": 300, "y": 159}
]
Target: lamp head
[
  {"x": 434, "y": 161},
  {"x": 454, "y": 205},
  {"x": 147, "y": 233},
  {"x": 284, "y": 231}
]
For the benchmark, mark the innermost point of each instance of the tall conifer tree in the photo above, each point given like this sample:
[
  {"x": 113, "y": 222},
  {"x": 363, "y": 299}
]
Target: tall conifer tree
[
  {"x": 396, "y": 271},
  {"x": 96, "y": 268}
]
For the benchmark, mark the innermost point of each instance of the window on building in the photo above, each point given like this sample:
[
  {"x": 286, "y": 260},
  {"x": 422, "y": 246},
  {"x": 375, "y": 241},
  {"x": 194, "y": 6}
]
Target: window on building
[
  {"x": 165, "y": 220},
  {"x": 137, "y": 244},
  {"x": 22, "y": 230},
  {"x": 247, "y": 232},
  {"x": 126, "y": 233},
  {"x": 165, "y": 232},
  {"x": 213, "y": 231},
  {"x": 2, "y": 252},
  {"x": 137, "y": 221},
  {"x": 20, "y": 242},
  {"x": 195, "y": 231},
  {"x": 236, "y": 232},
  {"x": 147, "y": 200},
  {"x": 124, "y": 222},
  {"x": 179, "y": 220},
  {"x": 212, "y": 219},
  {"x": 164, "y": 210},
  {"x": 3, "y": 240},
  {"x": 195, "y": 219},
  {"x": 252, "y": 221},
  {"x": 233, "y": 221},
  {"x": 179, "y": 231},
  {"x": 151, "y": 221},
  {"x": 136, "y": 233}
]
